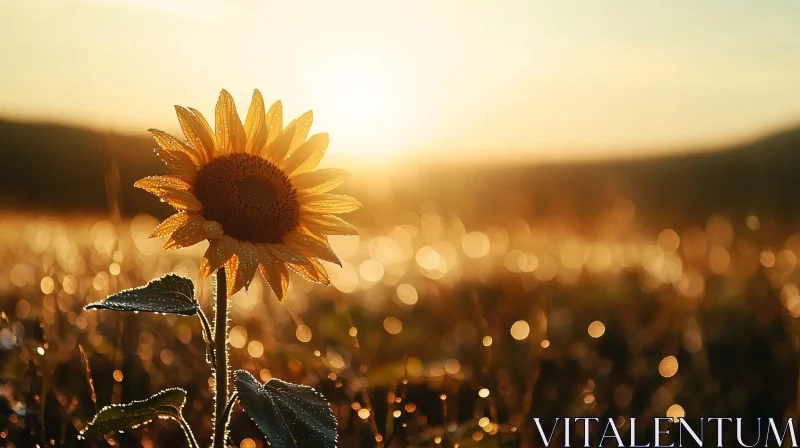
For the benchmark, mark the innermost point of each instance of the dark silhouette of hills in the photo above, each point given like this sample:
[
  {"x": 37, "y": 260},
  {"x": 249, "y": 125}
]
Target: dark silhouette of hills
[
  {"x": 761, "y": 177},
  {"x": 65, "y": 169}
]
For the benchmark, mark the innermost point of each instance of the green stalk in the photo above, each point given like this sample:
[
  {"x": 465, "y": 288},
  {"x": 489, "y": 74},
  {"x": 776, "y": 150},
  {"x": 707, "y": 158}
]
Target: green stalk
[
  {"x": 221, "y": 354},
  {"x": 188, "y": 431}
]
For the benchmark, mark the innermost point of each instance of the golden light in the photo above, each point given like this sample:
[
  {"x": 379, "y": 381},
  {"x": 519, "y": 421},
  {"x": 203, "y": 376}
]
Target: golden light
[
  {"x": 255, "y": 349},
  {"x": 357, "y": 109},
  {"x": 675, "y": 412},
  {"x": 238, "y": 337},
  {"x": 520, "y": 330},
  {"x": 303, "y": 333},
  {"x": 668, "y": 366},
  {"x": 407, "y": 294},
  {"x": 596, "y": 329},
  {"x": 392, "y": 325}
]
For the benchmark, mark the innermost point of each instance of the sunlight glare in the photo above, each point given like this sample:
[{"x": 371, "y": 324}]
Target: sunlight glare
[
  {"x": 357, "y": 98},
  {"x": 357, "y": 109}
]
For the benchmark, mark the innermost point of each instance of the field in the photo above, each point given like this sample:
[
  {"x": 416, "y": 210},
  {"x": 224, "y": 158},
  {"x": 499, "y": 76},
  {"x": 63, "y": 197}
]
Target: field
[{"x": 463, "y": 309}]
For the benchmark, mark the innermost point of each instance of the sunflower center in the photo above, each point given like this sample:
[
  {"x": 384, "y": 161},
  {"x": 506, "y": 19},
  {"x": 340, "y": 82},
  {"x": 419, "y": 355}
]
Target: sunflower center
[
  {"x": 252, "y": 198},
  {"x": 255, "y": 191}
]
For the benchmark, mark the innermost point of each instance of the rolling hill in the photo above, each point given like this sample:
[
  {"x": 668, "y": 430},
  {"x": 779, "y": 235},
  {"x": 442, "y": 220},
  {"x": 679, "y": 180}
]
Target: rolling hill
[{"x": 65, "y": 169}]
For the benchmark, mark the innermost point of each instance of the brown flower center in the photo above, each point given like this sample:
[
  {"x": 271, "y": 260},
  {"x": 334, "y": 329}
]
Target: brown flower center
[{"x": 252, "y": 198}]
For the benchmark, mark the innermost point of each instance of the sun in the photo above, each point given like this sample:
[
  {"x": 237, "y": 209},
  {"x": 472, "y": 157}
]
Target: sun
[
  {"x": 362, "y": 107},
  {"x": 357, "y": 99}
]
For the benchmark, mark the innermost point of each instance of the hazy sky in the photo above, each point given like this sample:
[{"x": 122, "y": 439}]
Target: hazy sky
[{"x": 528, "y": 78}]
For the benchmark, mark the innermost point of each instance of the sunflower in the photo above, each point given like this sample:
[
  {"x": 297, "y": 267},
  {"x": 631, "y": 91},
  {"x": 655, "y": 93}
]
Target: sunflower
[{"x": 254, "y": 192}]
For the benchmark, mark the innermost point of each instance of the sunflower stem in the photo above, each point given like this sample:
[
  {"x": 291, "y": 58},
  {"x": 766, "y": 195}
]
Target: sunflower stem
[{"x": 221, "y": 355}]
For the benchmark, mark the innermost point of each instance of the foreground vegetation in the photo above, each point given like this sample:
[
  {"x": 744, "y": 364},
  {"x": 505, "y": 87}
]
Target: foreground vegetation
[{"x": 431, "y": 334}]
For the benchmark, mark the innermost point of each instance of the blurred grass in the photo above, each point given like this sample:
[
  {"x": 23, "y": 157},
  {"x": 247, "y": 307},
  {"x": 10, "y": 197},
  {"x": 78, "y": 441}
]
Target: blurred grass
[{"x": 421, "y": 298}]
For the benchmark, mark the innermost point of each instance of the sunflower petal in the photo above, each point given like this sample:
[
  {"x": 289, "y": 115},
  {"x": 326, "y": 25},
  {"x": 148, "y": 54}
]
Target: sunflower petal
[
  {"x": 327, "y": 225},
  {"x": 178, "y": 162},
  {"x": 275, "y": 272},
  {"x": 320, "y": 181},
  {"x": 277, "y": 149},
  {"x": 192, "y": 232},
  {"x": 248, "y": 264},
  {"x": 229, "y": 132},
  {"x": 327, "y": 203},
  {"x": 232, "y": 275},
  {"x": 196, "y": 133},
  {"x": 180, "y": 199},
  {"x": 213, "y": 229},
  {"x": 171, "y": 143},
  {"x": 219, "y": 251},
  {"x": 205, "y": 133},
  {"x": 313, "y": 272},
  {"x": 171, "y": 224},
  {"x": 274, "y": 120},
  {"x": 255, "y": 125},
  {"x": 303, "y": 125},
  {"x": 153, "y": 184},
  {"x": 308, "y": 155},
  {"x": 285, "y": 253},
  {"x": 311, "y": 246}
]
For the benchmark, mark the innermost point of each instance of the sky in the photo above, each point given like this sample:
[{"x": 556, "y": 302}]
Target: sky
[{"x": 421, "y": 80}]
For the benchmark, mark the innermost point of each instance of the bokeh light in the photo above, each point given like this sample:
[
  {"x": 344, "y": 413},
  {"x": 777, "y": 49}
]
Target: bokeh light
[{"x": 668, "y": 366}]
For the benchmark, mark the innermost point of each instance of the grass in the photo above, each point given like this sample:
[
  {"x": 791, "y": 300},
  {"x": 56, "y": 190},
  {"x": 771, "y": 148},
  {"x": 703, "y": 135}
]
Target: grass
[{"x": 423, "y": 317}]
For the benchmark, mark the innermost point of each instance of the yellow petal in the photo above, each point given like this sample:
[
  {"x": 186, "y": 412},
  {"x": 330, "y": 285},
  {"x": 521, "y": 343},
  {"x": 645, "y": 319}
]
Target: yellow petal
[
  {"x": 277, "y": 149},
  {"x": 238, "y": 268},
  {"x": 233, "y": 276},
  {"x": 320, "y": 181},
  {"x": 311, "y": 246},
  {"x": 312, "y": 272},
  {"x": 206, "y": 134},
  {"x": 308, "y": 155},
  {"x": 180, "y": 199},
  {"x": 248, "y": 264},
  {"x": 179, "y": 163},
  {"x": 153, "y": 184},
  {"x": 327, "y": 203},
  {"x": 275, "y": 272},
  {"x": 195, "y": 130},
  {"x": 190, "y": 233},
  {"x": 213, "y": 229},
  {"x": 255, "y": 125},
  {"x": 327, "y": 225},
  {"x": 229, "y": 132},
  {"x": 219, "y": 251},
  {"x": 303, "y": 125},
  {"x": 285, "y": 253},
  {"x": 171, "y": 143},
  {"x": 274, "y": 121},
  {"x": 171, "y": 224}
]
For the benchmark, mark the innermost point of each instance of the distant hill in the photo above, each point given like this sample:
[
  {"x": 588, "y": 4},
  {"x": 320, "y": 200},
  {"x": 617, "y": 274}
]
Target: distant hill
[
  {"x": 65, "y": 169},
  {"x": 760, "y": 177}
]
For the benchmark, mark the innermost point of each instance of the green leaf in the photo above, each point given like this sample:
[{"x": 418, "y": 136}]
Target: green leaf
[
  {"x": 119, "y": 417},
  {"x": 170, "y": 294},
  {"x": 289, "y": 415}
]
